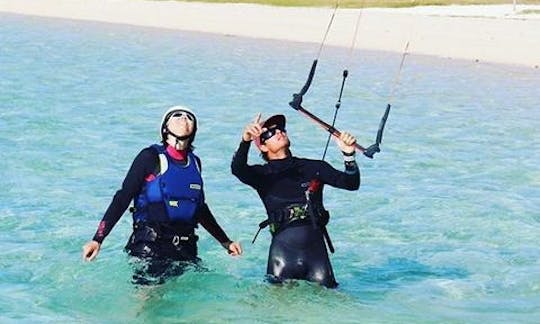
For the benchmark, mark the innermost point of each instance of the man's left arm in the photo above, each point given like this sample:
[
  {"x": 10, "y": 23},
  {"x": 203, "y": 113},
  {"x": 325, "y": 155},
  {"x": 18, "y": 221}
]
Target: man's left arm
[
  {"x": 348, "y": 179},
  {"x": 209, "y": 222}
]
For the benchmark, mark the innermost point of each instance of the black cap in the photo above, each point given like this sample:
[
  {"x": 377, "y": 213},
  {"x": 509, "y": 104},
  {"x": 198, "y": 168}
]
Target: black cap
[{"x": 278, "y": 120}]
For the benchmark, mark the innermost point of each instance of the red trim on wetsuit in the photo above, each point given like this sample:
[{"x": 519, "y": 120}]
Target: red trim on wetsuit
[
  {"x": 101, "y": 229},
  {"x": 176, "y": 154}
]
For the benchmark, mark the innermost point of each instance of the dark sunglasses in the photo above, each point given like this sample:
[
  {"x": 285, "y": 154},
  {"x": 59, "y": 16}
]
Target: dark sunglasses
[
  {"x": 271, "y": 132},
  {"x": 183, "y": 113}
]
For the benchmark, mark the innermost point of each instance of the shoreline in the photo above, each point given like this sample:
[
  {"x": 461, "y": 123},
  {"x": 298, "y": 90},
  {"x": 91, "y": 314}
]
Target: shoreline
[{"x": 489, "y": 33}]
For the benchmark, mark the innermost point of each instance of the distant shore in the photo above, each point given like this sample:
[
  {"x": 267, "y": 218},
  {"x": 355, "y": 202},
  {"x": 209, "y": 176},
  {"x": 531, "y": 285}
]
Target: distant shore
[{"x": 494, "y": 33}]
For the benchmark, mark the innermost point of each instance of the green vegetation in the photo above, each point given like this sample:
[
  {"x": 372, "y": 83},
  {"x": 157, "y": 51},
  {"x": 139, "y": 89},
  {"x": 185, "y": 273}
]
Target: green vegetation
[{"x": 368, "y": 3}]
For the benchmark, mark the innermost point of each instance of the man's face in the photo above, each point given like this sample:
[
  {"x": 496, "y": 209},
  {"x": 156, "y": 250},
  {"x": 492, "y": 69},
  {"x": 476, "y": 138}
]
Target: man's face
[{"x": 275, "y": 138}]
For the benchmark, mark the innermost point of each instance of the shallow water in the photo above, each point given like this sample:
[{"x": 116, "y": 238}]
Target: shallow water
[{"x": 443, "y": 229}]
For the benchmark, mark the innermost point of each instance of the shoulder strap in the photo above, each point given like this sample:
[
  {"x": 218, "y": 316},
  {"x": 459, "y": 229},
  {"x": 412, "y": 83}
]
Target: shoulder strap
[
  {"x": 196, "y": 159},
  {"x": 163, "y": 162}
]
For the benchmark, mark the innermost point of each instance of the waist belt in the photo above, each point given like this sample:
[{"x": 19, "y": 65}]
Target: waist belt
[
  {"x": 178, "y": 239},
  {"x": 156, "y": 233},
  {"x": 299, "y": 215}
]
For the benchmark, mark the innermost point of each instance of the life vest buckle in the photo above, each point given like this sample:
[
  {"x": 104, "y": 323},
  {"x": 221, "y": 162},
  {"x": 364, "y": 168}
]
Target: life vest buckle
[{"x": 176, "y": 239}]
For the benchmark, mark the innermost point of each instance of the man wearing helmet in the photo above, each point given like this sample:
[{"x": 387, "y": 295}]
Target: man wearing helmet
[{"x": 166, "y": 186}]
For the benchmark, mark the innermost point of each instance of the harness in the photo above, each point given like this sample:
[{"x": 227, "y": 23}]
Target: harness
[
  {"x": 173, "y": 195},
  {"x": 154, "y": 232},
  {"x": 299, "y": 214}
]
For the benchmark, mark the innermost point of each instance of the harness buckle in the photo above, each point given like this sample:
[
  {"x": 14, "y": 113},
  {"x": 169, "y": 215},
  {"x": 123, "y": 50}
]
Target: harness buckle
[
  {"x": 176, "y": 240},
  {"x": 297, "y": 213}
]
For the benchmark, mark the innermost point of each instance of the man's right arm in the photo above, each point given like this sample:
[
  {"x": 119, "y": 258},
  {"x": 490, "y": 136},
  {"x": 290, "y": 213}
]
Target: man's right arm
[{"x": 239, "y": 166}]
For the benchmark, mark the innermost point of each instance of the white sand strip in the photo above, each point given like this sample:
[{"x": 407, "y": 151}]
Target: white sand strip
[{"x": 486, "y": 33}]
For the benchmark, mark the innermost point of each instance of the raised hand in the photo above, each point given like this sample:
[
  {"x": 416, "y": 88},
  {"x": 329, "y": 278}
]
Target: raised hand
[{"x": 253, "y": 129}]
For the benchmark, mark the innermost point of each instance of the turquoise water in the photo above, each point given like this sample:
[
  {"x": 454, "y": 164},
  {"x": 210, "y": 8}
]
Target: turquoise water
[{"x": 444, "y": 228}]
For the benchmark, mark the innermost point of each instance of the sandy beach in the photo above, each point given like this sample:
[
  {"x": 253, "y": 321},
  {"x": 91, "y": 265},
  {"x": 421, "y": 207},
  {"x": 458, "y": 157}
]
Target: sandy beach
[{"x": 496, "y": 33}]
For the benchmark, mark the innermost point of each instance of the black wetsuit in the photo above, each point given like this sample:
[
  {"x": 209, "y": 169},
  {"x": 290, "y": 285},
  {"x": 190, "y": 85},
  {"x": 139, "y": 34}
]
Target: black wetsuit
[
  {"x": 298, "y": 250},
  {"x": 162, "y": 241}
]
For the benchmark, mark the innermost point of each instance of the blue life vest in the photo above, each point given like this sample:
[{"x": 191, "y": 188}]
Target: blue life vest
[{"x": 177, "y": 190}]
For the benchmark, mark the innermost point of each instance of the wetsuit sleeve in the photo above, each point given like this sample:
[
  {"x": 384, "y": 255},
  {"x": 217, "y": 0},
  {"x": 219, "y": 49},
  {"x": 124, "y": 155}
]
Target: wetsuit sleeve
[
  {"x": 239, "y": 167},
  {"x": 348, "y": 179},
  {"x": 144, "y": 164},
  {"x": 208, "y": 221}
]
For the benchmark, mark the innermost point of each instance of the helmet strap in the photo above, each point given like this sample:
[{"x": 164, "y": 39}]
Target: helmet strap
[{"x": 179, "y": 140}]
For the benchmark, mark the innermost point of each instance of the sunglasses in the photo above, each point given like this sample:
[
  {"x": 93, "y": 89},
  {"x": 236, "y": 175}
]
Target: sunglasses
[
  {"x": 179, "y": 114},
  {"x": 270, "y": 132}
]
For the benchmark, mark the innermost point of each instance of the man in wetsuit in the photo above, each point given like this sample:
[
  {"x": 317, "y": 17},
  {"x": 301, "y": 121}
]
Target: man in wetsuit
[
  {"x": 291, "y": 191},
  {"x": 165, "y": 184}
]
